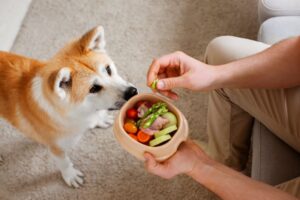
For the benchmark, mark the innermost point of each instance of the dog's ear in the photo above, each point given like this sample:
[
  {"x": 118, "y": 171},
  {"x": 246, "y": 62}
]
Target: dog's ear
[
  {"x": 93, "y": 40},
  {"x": 63, "y": 82}
]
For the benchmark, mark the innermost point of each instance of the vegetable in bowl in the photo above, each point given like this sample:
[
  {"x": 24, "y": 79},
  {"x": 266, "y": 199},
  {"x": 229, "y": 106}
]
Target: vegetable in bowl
[{"x": 150, "y": 123}]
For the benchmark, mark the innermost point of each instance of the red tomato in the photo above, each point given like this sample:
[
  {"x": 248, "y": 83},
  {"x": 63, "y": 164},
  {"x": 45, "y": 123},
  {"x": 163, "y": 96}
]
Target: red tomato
[{"x": 132, "y": 113}]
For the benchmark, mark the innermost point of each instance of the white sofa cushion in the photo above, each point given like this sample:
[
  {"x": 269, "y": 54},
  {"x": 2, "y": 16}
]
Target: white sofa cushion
[
  {"x": 276, "y": 29},
  {"x": 273, "y": 8},
  {"x": 12, "y": 13}
]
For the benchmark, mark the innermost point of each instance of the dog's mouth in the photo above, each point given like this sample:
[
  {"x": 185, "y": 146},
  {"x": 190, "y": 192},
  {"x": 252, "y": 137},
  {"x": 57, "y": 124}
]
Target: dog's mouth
[{"x": 117, "y": 106}]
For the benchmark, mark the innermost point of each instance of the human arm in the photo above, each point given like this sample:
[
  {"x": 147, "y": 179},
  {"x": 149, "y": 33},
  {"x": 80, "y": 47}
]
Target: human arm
[
  {"x": 275, "y": 67},
  {"x": 223, "y": 181}
]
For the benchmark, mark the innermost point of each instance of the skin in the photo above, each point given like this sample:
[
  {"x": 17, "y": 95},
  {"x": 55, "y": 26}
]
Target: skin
[
  {"x": 269, "y": 69},
  {"x": 276, "y": 67}
]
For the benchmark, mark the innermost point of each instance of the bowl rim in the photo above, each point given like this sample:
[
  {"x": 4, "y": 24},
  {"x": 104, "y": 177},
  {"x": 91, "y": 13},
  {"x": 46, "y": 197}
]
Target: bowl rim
[{"x": 158, "y": 97}]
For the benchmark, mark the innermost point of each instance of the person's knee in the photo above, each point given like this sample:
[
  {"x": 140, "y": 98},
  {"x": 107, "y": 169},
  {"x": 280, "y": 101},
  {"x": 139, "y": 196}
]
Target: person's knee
[
  {"x": 225, "y": 49},
  {"x": 216, "y": 49}
]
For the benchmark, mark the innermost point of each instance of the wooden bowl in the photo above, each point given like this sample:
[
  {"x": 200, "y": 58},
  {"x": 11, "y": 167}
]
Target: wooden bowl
[{"x": 136, "y": 148}]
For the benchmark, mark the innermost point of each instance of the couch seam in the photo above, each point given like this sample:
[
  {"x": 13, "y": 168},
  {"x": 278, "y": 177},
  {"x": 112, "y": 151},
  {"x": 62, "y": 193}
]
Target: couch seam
[{"x": 267, "y": 7}]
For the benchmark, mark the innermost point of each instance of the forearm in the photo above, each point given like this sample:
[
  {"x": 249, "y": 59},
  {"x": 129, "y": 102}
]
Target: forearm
[
  {"x": 276, "y": 67},
  {"x": 230, "y": 185}
]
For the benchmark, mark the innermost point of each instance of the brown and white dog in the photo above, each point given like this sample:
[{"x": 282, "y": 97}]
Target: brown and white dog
[{"x": 55, "y": 102}]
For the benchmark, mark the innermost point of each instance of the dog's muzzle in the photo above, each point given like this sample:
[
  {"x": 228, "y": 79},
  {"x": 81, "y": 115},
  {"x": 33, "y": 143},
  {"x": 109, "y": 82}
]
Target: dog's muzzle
[{"x": 130, "y": 92}]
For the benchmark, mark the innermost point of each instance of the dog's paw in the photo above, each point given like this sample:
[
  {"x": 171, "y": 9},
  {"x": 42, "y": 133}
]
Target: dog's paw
[
  {"x": 105, "y": 123},
  {"x": 73, "y": 177},
  {"x": 103, "y": 120}
]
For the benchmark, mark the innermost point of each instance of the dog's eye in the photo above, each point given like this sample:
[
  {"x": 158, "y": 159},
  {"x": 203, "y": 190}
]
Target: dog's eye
[
  {"x": 108, "y": 70},
  {"x": 95, "y": 88}
]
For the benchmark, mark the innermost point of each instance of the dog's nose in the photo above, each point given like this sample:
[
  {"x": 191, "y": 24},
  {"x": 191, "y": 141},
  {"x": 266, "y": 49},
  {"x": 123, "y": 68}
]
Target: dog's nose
[{"x": 130, "y": 92}]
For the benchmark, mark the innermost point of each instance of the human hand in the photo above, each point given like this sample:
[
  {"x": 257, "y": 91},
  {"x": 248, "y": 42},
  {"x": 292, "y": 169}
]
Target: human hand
[
  {"x": 178, "y": 70},
  {"x": 189, "y": 157}
]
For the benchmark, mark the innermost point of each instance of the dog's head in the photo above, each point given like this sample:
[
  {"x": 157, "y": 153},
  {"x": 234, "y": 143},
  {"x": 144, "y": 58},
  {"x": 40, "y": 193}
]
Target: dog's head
[{"x": 86, "y": 77}]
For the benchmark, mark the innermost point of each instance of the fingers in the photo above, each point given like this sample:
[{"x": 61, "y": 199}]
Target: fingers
[
  {"x": 155, "y": 167},
  {"x": 170, "y": 83},
  {"x": 169, "y": 60},
  {"x": 152, "y": 72},
  {"x": 168, "y": 93},
  {"x": 172, "y": 95}
]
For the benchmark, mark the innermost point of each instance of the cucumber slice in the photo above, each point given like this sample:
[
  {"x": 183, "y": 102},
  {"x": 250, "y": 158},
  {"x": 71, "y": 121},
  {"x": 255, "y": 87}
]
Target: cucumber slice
[
  {"x": 165, "y": 131},
  {"x": 159, "y": 140},
  {"x": 172, "y": 119}
]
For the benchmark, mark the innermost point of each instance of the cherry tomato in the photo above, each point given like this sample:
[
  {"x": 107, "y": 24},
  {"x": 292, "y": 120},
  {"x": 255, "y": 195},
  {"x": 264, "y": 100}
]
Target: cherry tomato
[
  {"x": 132, "y": 113},
  {"x": 130, "y": 128}
]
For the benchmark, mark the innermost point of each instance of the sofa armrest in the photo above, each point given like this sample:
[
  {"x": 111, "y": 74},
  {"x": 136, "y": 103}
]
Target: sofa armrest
[
  {"x": 272, "y": 31},
  {"x": 275, "y": 8},
  {"x": 273, "y": 161}
]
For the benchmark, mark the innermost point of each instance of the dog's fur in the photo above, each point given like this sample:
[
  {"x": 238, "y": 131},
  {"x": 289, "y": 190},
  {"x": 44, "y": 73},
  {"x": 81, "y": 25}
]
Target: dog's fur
[{"x": 54, "y": 102}]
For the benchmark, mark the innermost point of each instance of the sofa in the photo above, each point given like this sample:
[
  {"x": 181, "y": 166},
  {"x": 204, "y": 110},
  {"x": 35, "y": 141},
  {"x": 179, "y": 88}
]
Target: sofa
[{"x": 273, "y": 161}]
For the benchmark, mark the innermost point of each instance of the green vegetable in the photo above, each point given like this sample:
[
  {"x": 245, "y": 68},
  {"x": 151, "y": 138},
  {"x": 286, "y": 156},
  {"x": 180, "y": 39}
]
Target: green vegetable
[
  {"x": 159, "y": 140},
  {"x": 154, "y": 83},
  {"x": 165, "y": 131},
  {"x": 152, "y": 114},
  {"x": 154, "y": 108},
  {"x": 149, "y": 121},
  {"x": 152, "y": 117},
  {"x": 172, "y": 119},
  {"x": 138, "y": 123}
]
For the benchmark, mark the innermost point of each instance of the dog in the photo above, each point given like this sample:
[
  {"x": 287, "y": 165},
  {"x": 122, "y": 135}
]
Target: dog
[{"x": 56, "y": 101}]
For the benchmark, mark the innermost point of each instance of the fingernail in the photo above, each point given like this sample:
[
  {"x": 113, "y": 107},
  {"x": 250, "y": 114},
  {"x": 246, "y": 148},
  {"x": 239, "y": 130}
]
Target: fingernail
[{"x": 160, "y": 85}]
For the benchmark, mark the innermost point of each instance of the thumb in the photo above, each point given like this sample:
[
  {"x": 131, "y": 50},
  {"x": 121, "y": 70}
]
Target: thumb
[
  {"x": 150, "y": 162},
  {"x": 153, "y": 166},
  {"x": 170, "y": 83}
]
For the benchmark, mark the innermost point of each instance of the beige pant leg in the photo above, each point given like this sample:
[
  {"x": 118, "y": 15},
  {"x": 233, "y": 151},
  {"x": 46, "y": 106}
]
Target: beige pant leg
[
  {"x": 292, "y": 187},
  {"x": 230, "y": 111},
  {"x": 229, "y": 126},
  {"x": 229, "y": 131}
]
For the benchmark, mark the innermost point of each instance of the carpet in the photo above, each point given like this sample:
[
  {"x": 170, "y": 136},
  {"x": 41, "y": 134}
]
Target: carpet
[{"x": 136, "y": 32}]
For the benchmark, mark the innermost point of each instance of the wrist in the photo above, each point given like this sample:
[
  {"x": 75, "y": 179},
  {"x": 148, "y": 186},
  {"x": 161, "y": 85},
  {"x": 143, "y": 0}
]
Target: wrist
[
  {"x": 201, "y": 173},
  {"x": 201, "y": 169},
  {"x": 221, "y": 76}
]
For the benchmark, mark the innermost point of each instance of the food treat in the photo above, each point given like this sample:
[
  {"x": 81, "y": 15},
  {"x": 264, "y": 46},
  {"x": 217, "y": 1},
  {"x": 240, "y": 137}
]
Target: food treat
[
  {"x": 154, "y": 83},
  {"x": 159, "y": 140},
  {"x": 150, "y": 123}
]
